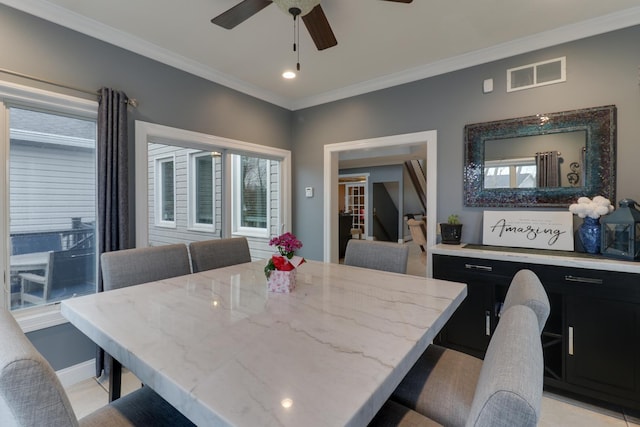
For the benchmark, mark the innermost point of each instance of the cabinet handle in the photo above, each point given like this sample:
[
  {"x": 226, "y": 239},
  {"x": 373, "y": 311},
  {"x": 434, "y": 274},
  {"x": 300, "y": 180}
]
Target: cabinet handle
[
  {"x": 570, "y": 340},
  {"x": 487, "y": 323},
  {"x": 478, "y": 267},
  {"x": 590, "y": 280}
]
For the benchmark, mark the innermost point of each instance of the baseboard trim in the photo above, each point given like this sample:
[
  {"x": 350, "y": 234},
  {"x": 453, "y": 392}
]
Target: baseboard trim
[{"x": 76, "y": 373}]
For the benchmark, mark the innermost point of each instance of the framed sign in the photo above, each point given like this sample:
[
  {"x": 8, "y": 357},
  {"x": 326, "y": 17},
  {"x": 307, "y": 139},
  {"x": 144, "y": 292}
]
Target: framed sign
[{"x": 528, "y": 229}]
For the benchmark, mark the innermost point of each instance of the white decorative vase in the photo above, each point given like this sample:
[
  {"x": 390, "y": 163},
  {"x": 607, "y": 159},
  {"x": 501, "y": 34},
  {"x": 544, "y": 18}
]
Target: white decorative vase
[{"x": 282, "y": 281}]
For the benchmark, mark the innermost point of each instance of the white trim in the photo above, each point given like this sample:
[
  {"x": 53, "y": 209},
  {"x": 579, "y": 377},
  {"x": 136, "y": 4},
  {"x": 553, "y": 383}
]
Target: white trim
[
  {"x": 192, "y": 187},
  {"x": 20, "y": 95},
  {"x": 522, "y": 161},
  {"x": 600, "y": 25},
  {"x": 331, "y": 160},
  {"x": 158, "y": 187},
  {"x": 77, "y": 373},
  {"x": 5, "y": 296},
  {"x": 367, "y": 231},
  {"x": 591, "y": 27},
  {"x": 40, "y": 317},
  {"x": 11, "y": 94},
  {"x": 130, "y": 42},
  {"x": 236, "y": 181},
  {"x": 149, "y": 132}
]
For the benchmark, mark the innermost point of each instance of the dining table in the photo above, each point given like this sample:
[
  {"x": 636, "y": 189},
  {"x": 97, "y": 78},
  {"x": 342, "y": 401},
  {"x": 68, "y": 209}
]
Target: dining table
[{"x": 224, "y": 350}]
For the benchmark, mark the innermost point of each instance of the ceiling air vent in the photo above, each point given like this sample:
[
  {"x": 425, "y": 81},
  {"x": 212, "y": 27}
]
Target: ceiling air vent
[{"x": 538, "y": 74}]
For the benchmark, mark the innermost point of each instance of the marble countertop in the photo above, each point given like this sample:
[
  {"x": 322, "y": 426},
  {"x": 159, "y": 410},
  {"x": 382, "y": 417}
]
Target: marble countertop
[
  {"x": 537, "y": 256},
  {"x": 225, "y": 351}
]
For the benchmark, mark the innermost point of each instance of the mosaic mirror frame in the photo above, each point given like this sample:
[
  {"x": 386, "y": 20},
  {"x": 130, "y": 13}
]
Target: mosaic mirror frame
[{"x": 599, "y": 174}]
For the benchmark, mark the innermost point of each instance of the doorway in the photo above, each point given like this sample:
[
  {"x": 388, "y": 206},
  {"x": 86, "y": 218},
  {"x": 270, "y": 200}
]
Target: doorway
[{"x": 364, "y": 148}]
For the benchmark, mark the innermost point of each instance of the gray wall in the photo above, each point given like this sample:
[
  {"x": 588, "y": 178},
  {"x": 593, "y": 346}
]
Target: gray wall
[
  {"x": 382, "y": 174},
  {"x": 601, "y": 70},
  {"x": 167, "y": 96},
  {"x": 63, "y": 345}
]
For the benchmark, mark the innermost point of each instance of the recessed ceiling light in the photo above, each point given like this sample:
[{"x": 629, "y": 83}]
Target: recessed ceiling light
[{"x": 289, "y": 75}]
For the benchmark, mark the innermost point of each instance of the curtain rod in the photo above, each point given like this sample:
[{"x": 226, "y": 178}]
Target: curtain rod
[{"x": 130, "y": 101}]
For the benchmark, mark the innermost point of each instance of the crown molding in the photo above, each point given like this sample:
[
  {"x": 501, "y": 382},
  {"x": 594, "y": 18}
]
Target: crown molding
[
  {"x": 82, "y": 24},
  {"x": 568, "y": 33}
]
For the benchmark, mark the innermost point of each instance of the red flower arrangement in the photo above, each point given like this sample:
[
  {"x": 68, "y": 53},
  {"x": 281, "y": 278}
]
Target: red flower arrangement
[{"x": 287, "y": 244}]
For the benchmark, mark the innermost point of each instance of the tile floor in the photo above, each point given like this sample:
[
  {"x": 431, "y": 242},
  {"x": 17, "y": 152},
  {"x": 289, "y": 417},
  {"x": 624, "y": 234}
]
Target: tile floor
[
  {"x": 91, "y": 394},
  {"x": 556, "y": 410}
]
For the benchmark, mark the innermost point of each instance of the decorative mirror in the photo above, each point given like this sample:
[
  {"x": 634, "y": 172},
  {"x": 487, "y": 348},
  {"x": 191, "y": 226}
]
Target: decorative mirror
[{"x": 546, "y": 160}]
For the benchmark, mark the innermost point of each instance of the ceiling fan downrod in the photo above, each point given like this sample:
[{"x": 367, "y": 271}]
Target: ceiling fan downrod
[{"x": 295, "y": 12}]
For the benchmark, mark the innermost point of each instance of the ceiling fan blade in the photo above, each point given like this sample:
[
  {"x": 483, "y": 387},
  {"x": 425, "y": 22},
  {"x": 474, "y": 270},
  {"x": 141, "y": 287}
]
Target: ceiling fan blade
[
  {"x": 319, "y": 28},
  {"x": 240, "y": 13},
  {"x": 401, "y": 1}
]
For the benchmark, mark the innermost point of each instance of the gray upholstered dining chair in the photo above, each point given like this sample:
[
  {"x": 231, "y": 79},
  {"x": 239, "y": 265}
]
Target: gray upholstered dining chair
[
  {"x": 130, "y": 267},
  {"x": 385, "y": 256},
  {"x": 32, "y": 395},
  {"x": 140, "y": 265},
  {"x": 446, "y": 372},
  {"x": 505, "y": 392},
  {"x": 526, "y": 289},
  {"x": 217, "y": 253}
]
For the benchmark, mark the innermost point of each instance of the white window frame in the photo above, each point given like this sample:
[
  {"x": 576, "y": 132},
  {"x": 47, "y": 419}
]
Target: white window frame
[
  {"x": 151, "y": 132},
  {"x": 159, "y": 188},
  {"x": 511, "y": 164},
  {"x": 237, "y": 229},
  {"x": 14, "y": 95},
  {"x": 192, "y": 189}
]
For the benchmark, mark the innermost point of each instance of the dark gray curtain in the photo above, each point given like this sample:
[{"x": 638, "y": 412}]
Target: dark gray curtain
[
  {"x": 113, "y": 183},
  {"x": 548, "y": 169}
]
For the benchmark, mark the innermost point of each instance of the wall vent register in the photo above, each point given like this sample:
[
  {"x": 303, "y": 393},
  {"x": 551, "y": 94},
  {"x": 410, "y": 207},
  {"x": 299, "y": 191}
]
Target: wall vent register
[{"x": 538, "y": 74}]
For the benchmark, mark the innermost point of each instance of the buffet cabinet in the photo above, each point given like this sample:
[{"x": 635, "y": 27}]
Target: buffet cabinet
[{"x": 591, "y": 341}]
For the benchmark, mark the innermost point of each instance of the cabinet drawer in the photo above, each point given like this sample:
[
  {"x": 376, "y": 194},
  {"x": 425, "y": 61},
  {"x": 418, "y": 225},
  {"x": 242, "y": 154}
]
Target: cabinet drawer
[
  {"x": 450, "y": 267},
  {"x": 586, "y": 282}
]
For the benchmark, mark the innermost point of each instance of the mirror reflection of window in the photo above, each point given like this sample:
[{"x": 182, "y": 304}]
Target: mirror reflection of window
[
  {"x": 510, "y": 173},
  {"x": 519, "y": 156}
]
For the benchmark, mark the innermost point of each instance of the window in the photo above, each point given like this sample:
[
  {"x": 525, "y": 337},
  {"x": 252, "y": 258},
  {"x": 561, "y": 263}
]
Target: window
[
  {"x": 202, "y": 189},
  {"x": 511, "y": 173},
  {"x": 251, "y": 201},
  {"x": 165, "y": 185},
  {"x": 538, "y": 74},
  {"x": 239, "y": 187},
  {"x": 50, "y": 197}
]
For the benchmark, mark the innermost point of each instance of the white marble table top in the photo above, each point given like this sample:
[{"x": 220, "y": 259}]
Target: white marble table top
[{"x": 225, "y": 351}]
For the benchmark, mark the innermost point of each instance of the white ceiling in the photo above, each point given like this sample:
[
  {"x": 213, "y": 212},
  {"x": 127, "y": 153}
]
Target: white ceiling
[{"x": 380, "y": 43}]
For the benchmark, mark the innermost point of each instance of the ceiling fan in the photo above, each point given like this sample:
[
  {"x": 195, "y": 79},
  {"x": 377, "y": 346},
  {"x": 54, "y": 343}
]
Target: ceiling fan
[{"x": 310, "y": 10}]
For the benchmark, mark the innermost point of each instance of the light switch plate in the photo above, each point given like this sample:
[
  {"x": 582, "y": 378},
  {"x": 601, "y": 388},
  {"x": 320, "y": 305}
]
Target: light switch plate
[{"x": 308, "y": 191}]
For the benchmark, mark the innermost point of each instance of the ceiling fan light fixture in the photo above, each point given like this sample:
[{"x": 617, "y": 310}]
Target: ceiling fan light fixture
[{"x": 305, "y": 6}]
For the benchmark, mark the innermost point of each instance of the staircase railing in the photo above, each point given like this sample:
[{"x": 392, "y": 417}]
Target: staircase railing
[{"x": 418, "y": 179}]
